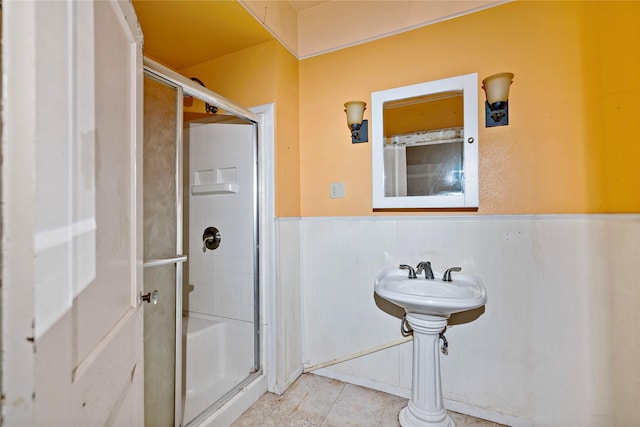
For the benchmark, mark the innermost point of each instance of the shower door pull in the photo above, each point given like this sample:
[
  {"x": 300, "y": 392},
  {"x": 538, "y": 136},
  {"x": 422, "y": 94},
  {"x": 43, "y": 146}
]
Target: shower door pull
[
  {"x": 151, "y": 297},
  {"x": 163, "y": 261}
]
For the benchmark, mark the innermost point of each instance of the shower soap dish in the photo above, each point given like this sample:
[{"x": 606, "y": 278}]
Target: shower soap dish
[{"x": 215, "y": 181}]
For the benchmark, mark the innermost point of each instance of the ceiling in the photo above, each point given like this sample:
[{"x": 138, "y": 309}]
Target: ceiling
[
  {"x": 300, "y": 5},
  {"x": 182, "y": 33}
]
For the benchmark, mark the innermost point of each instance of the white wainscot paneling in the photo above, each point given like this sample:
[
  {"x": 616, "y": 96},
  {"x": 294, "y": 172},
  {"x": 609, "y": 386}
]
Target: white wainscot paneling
[
  {"x": 340, "y": 259},
  {"x": 286, "y": 318},
  {"x": 556, "y": 344}
]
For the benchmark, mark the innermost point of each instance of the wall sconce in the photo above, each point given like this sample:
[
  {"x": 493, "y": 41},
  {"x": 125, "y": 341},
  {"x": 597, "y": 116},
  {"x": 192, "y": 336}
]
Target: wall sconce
[
  {"x": 496, "y": 108},
  {"x": 359, "y": 127}
]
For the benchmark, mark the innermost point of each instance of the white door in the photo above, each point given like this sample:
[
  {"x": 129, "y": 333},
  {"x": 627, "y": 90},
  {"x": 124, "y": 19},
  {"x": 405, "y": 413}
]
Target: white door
[{"x": 72, "y": 264}]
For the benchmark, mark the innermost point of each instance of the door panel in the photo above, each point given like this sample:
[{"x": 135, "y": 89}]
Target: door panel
[
  {"x": 109, "y": 297},
  {"x": 107, "y": 325},
  {"x": 78, "y": 98},
  {"x": 104, "y": 385}
]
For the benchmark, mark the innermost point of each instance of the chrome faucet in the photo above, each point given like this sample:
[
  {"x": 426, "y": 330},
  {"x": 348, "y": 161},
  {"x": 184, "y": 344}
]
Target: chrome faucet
[
  {"x": 426, "y": 267},
  {"x": 447, "y": 274},
  {"x": 412, "y": 272}
]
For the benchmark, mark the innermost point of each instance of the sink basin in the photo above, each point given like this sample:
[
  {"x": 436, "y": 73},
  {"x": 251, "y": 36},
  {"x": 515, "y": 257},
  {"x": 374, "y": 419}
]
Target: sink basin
[{"x": 432, "y": 297}]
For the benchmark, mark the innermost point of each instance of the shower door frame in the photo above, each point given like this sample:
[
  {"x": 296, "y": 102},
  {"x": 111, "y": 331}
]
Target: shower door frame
[
  {"x": 262, "y": 222},
  {"x": 257, "y": 362}
]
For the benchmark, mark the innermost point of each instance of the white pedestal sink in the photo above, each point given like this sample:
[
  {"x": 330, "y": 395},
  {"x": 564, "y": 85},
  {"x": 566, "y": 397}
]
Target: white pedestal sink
[{"x": 428, "y": 304}]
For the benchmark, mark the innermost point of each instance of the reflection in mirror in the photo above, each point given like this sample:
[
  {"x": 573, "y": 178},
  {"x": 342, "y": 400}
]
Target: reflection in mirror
[{"x": 423, "y": 148}]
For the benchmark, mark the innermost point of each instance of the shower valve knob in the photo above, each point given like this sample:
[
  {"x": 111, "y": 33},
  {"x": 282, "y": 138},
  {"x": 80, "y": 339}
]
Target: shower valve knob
[
  {"x": 151, "y": 297},
  {"x": 210, "y": 239}
]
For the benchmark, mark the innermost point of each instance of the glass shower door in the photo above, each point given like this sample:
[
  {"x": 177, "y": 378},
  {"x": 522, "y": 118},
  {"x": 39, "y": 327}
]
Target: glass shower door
[
  {"x": 162, "y": 250},
  {"x": 202, "y": 338},
  {"x": 221, "y": 291}
]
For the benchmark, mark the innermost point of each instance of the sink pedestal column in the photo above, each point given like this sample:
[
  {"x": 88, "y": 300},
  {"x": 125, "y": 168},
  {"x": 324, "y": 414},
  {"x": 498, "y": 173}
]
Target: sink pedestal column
[{"x": 426, "y": 407}]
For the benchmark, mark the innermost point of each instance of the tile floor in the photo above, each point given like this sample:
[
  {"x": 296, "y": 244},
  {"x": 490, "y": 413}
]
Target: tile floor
[{"x": 318, "y": 401}]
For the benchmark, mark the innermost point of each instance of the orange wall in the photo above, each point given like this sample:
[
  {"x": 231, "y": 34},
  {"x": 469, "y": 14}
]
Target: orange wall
[
  {"x": 259, "y": 75},
  {"x": 572, "y": 143},
  {"x": 610, "y": 47},
  {"x": 287, "y": 135},
  {"x": 574, "y": 134}
]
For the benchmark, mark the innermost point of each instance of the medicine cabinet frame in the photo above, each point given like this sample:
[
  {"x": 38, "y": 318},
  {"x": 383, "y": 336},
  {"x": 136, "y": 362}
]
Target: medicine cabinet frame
[{"x": 468, "y": 197}]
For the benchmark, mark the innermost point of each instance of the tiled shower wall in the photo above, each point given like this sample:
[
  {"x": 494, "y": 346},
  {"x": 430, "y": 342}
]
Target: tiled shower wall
[
  {"x": 557, "y": 343},
  {"x": 220, "y": 281}
]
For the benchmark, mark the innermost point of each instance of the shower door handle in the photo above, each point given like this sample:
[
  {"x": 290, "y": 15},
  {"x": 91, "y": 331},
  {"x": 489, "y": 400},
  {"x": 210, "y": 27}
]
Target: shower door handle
[
  {"x": 164, "y": 261},
  {"x": 151, "y": 297}
]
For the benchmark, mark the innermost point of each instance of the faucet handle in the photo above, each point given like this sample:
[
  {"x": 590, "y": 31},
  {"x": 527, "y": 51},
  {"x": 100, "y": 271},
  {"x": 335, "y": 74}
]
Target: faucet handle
[
  {"x": 426, "y": 267},
  {"x": 412, "y": 272},
  {"x": 447, "y": 274}
]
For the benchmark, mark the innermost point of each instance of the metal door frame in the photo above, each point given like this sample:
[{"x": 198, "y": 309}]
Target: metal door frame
[{"x": 186, "y": 87}]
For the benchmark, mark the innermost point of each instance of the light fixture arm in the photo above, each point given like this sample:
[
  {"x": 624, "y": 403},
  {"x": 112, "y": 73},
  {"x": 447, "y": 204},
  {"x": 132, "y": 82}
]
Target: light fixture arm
[
  {"x": 498, "y": 111},
  {"x": 355, "y": 130}
]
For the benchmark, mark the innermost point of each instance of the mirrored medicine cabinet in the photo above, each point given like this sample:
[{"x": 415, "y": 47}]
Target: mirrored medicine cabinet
[{"x": 425, "y": 145}]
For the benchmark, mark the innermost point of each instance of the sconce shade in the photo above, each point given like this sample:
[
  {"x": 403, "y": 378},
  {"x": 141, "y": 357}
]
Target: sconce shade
[
  {"x": 355, "y": 112},
  {"x": 496, "y": 87}
]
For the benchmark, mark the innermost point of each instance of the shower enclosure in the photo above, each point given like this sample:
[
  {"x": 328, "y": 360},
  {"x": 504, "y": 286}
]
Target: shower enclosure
[{"x": 202, "y": 337}]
